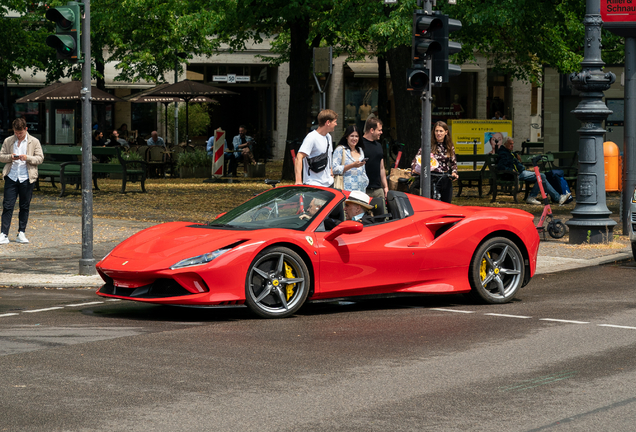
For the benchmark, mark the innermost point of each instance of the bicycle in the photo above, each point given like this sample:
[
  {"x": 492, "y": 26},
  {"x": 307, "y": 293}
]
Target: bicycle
[{"x": 413, "y": 184}]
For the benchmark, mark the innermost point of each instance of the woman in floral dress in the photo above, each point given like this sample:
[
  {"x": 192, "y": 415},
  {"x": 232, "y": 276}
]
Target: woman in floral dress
[
  {"x": 443, "y": 161},
  {"x": 355, "y": 175}
]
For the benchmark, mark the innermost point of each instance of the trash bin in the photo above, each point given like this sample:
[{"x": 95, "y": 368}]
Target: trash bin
[{"x": 612, "y": 166}]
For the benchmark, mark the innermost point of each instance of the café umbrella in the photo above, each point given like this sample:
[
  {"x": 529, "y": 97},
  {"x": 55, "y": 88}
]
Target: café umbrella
[
  {"x": 188, "y": 91},
  {"x": 70, "y": 91},
  {"x": 146, "y": 96}
]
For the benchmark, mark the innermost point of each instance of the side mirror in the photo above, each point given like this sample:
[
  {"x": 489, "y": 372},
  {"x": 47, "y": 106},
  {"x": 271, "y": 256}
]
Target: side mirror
[{"x": 346, "y": 227}]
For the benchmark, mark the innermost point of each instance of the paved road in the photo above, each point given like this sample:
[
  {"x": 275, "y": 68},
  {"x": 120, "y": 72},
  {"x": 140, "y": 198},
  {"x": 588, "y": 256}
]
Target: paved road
[{"x": 560, "y": 358}]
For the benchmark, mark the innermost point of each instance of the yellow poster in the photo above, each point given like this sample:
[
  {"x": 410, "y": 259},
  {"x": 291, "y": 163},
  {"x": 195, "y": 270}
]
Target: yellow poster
[{"x": 484, "y": 135}]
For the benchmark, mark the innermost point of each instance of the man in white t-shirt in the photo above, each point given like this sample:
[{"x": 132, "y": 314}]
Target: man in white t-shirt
[{"x": 317, "y": 143}]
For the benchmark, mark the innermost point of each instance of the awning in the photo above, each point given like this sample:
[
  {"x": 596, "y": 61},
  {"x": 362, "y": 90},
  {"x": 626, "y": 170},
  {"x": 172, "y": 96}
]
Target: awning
[
  {"x": 366, "y": 70},
  {"x": 370, "y": 69}
]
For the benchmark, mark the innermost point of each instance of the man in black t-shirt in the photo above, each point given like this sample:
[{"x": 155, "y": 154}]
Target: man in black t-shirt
[{"x": 378, "y": 186}]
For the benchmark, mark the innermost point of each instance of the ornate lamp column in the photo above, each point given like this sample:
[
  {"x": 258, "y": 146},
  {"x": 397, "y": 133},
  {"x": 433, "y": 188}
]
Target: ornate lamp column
[{"x": 591, "y": 222}]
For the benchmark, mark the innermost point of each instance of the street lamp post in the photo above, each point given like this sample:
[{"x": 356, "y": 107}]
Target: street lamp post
[
  {"x": 591, "y": 222},
  {"x": 87, "y": 262}
]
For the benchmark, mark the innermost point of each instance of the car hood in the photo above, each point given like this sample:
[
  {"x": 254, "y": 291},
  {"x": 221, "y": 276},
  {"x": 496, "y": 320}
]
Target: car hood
[{"x": 175, "y": 241}]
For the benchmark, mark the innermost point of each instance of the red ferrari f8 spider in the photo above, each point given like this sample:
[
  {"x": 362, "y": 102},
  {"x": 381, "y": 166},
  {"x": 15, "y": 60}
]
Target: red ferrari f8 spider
[{"x": 291, "y": 244}]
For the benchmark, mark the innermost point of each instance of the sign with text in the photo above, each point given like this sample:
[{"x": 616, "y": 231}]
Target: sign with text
[
  {"x": 231, "y": 78},
  {"x": 479, "y": 136},
  {"x": 619, "y": 17},
  {"x": 618, "y": 10}
]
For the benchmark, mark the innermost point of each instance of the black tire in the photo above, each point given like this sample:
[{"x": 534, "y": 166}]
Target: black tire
[
  {"x": 634, "y": 250},
  {"x": 277, "y": 283},
  {"x": 556, "y": 229},
  {"x": 496, "y": 271}
]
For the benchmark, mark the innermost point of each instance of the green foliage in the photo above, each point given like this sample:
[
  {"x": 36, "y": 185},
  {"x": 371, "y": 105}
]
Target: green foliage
[
  {"x": 148, "y": 38},
  {"x": 23, "y": 32},
  {"x": 194, "y": 159},
  {"x": 519, "y": 37},
  {"x": 198, "y": 116}
]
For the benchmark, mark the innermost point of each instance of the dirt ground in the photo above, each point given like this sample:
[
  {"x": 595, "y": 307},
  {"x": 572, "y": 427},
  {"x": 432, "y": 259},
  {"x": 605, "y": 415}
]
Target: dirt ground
[{"x": 194, "y": 200}]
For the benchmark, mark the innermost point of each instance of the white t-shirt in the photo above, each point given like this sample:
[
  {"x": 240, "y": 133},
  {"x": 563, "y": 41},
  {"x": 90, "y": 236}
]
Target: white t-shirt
[{"x": 314, "y": 145}]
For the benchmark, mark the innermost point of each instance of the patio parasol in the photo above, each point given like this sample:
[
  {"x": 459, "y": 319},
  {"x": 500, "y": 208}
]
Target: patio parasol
[
  {"x": 188, "y": 91},
  {"x": 70, "y": 91},
  {"x": 147, "y": 96}
]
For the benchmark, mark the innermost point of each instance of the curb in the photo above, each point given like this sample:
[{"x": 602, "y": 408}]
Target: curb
[{"x": 545, "y": 265}]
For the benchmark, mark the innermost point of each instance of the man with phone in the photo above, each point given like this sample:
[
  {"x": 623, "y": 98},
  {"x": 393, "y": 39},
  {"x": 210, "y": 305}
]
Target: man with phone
[{"x": 21, "y": 153}]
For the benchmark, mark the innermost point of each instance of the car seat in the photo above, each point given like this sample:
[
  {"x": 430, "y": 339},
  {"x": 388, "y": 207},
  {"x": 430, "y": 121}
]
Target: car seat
[
  {"x": 377, "y": 210},
  {"x": 399, "y": 205},
  {"x": 335, "y": 217}
]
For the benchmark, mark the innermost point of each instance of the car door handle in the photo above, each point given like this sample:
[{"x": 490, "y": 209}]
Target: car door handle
[{"x": 413, "y": 244}]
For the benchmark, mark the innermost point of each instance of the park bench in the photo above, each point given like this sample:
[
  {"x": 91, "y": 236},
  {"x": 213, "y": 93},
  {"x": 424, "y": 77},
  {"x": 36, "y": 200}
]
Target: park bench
[
  {"x": 474, "y": 172},
  {"x": 502, "y": 181},
  {"x": 531, "y": 148},
  {"x": 63, "y": 163}
]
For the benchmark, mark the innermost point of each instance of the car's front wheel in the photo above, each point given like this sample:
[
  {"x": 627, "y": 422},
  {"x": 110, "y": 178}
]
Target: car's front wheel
[
  {"x": 277, "y": 283},
  {"x": 497, "y": 270}
]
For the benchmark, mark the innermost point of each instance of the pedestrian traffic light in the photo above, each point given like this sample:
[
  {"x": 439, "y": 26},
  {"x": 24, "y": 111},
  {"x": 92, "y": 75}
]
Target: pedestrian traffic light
[
  {"x": 441, "y": 68},
  {"x": 417, "y": 79},
  {"x": 66, "y": 39},
  {"x": 423, "y": 46}
]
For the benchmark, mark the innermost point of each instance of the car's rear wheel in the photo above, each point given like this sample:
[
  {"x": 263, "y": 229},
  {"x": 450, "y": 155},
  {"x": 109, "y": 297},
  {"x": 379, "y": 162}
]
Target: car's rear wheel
[
  {"x": 277, "y": 283},
  {"x": 497, "y": 270}
]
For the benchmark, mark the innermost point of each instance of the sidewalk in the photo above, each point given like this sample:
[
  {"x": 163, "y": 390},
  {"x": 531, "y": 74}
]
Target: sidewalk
[{"x": 51, "y": 259}]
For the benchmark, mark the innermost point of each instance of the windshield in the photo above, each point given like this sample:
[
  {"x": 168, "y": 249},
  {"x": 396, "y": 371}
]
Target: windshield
[{"x": 285, "y": 207}]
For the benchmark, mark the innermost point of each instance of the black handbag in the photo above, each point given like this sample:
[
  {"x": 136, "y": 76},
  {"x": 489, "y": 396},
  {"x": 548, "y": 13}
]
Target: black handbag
[{"x": 319, "y": 163}]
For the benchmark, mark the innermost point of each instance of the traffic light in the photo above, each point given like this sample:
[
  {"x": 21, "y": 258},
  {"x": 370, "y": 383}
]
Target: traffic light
[
  {"x": 441, "y": 68},
  {"x": 416, "y": 79},
  {"x": 424, "y": 45},
  {"x": 66, "y": 39}
]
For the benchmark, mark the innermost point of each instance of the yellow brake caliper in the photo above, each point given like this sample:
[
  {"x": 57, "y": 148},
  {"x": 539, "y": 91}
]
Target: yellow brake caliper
[
  {"x": 289, "y": 273},
  {"x": 482, "y": 269}
]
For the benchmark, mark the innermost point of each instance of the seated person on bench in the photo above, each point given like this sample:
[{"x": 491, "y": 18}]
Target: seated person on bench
[{"x": 357, "y": 206}]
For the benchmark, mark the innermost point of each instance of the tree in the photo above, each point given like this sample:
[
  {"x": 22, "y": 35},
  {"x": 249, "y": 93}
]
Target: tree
[
  {"x": 23, "y": 33},
  {"x": 290, "y": 24},
  {"x": 148, "y": 38},
  {"x": 518, "y": 37},
  {"x": 197, "y": 121}
]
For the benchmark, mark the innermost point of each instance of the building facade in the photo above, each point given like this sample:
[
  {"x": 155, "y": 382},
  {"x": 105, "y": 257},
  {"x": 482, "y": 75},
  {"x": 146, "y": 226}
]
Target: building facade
[{"x": 263, "y": 99}]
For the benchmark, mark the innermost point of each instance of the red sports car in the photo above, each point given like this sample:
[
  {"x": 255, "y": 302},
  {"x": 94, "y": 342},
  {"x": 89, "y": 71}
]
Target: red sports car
[{"x": 291, "y": 244}]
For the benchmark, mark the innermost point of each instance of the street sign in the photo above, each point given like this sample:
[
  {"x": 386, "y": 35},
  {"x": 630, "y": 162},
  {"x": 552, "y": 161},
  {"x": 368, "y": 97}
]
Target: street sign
[
  {"x": 618, "y": 11},
  {"x": 323, "y": 60},
  {"x": 619, "y": 17}
]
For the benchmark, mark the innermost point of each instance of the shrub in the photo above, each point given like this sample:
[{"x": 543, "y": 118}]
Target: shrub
[
  {"x": 130, "y": 155},
  {"x": 195, "y": 159}
]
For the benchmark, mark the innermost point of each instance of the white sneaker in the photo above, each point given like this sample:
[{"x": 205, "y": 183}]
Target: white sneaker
[
  {"x": 21, "y": 238},
  {"x": 563, "y": 198},
  {"x": 532, "y": 201},
  {"x": 3, "y": 238}
]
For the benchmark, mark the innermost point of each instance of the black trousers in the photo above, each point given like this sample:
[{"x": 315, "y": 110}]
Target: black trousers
[
  {"x": 13, "y": 190},
  {"x": 444, "y": 186}
]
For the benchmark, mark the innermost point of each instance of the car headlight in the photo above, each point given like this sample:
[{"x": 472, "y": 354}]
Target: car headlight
[{"x": 199, "y": 260}]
